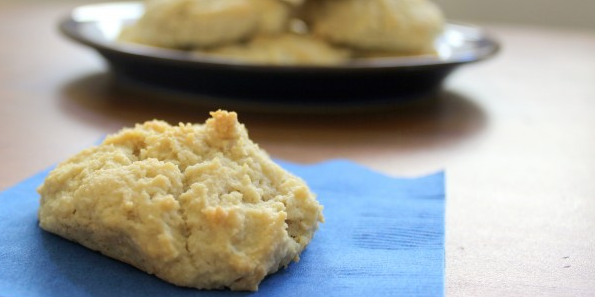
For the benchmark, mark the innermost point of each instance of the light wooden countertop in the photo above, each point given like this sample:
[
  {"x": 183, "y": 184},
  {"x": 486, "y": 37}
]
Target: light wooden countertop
[{"x": 516, "y": 136}]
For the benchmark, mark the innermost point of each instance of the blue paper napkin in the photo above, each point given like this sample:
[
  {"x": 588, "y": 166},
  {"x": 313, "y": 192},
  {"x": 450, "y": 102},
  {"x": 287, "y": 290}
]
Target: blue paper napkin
[{"x": 382, "y": 237}]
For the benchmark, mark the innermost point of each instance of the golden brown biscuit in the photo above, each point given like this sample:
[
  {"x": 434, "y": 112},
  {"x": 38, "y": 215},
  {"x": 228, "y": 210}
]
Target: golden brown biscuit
[
  {"x": 285, "y": 49},
  {"x": 197, "y": 205},
  {"x": 406, "y": 26},
  {"x": 184, "y": 24}
]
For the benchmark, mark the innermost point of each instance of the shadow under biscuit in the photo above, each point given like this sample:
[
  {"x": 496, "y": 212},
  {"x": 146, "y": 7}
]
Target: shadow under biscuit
[{"x": 437, "y": 121}]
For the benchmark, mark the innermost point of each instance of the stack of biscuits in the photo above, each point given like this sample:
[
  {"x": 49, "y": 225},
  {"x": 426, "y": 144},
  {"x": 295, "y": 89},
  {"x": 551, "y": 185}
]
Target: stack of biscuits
[{"x": 290, "y": 32}]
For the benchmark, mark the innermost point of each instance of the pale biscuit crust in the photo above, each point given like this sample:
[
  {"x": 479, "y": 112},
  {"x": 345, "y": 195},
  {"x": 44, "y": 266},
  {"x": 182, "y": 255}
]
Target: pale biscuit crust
[
  {"x": 283, "y": 49},
  {"x": 402, "y": 26},
  {"x": 197, "y": 205},
  {"x": 183, "y": 24}
]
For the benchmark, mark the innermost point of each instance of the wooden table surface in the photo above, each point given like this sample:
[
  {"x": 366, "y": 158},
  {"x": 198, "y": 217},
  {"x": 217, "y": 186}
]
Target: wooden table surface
[{"x": 516, "y": 136}]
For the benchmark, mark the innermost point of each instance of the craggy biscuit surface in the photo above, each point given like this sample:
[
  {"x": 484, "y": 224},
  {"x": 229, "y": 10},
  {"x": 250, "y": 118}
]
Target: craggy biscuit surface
[{"x": 197, "y": 205}]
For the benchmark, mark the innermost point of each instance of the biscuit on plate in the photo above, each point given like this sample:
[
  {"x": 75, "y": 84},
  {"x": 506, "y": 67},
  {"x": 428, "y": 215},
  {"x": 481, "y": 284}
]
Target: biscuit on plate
[
  {"x": 401, "y": 26},
  {"x": 186, "y": 24},
  {"x": 283, "y": 49},
  {"x": 196, "y": 205}
]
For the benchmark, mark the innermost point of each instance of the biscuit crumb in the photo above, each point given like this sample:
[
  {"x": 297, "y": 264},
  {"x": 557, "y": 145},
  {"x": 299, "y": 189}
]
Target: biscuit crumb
[{"x": 223, "y": 124}]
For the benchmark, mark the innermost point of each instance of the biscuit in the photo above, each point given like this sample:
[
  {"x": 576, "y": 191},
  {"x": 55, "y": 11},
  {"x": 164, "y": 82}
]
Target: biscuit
[
  {"x": 186, "y": 24},
  {"x": 199, "y": 206},
  {"x": 402, "y": 26},
  {"x": 284, "y": 49},
  {"x": 272, "y": 16}
]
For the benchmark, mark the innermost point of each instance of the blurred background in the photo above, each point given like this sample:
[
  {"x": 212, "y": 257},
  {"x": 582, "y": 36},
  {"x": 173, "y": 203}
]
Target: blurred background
[
  {"x": 558, "y": 13},
  {"x": 563, "y": 13}
]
